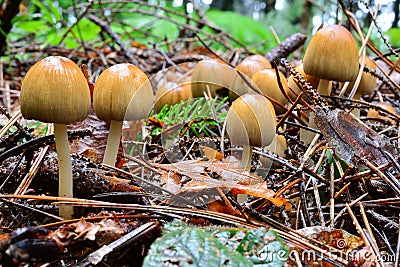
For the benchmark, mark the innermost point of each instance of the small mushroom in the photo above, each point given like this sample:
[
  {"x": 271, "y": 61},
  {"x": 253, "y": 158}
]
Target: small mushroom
[
  {"x": 55, "y": 90},
  {"x": 172, "y": 93},
  {"x": 122, "y": 92},
  {"x": 267, "y": 81},
  {"x": 293, "y": 84},
  {"x": 278, "y": 146},
  {"x": 366, "y": 86},
  {"x": 251, "y": 64},
  {"x": 374, "y": 113},
  {"x": 218, "y": 77},
  {"x": 250, "y": 122},
  {"x": 207, "y": 76},
  {"x": 332, "y": 55}
]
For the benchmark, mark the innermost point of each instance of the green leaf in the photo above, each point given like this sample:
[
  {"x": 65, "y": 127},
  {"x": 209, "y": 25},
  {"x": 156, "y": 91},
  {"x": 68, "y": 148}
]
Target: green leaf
[
  {"x": 165, "y": 29},
  {"x": 33, "y": 26},
  {"x": 88, "y": 30},
  {"x": 245, "y": 29},
  {"x": 183, "y": 245},
  {"x": 394, "y": 36},
  {"x": 189, "y": 246}
]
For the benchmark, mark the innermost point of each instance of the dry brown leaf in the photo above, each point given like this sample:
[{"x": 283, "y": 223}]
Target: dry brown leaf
[
  {"x": 233, "y": 179},
  {"x": 121, "y": 185},
  {"x": 221, "y": 207},
  {"x": 211, "y": 153}
]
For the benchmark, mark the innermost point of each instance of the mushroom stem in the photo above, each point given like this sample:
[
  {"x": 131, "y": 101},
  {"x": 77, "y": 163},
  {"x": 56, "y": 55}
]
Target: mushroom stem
[
  {"x": 65, "y": 187},
  {"x": 324, "y": 87},
  {"x": 114, "y": 138},
  {"x": 356, "y": 111},
  {"x": 246, "y": 157},
  {"x": 246, "y": 165}
]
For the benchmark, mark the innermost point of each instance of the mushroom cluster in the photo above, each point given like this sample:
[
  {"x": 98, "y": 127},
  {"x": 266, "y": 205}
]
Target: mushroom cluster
[{"x": 56, "y": 91}]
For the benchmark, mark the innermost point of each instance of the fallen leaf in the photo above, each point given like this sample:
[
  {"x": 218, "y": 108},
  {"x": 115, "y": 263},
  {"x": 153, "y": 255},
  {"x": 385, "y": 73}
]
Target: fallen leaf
[{"x": 211, "y": 153}]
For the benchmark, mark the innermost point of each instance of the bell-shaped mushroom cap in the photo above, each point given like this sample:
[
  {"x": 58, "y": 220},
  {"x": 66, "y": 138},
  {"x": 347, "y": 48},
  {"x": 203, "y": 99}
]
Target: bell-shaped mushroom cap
[
  {"x": 251, "y": 64},
  {"x": 172, "y": 93},
  {"x": 250, "y": 121},
  {"x": 368, "y": 81},
  {"x": 267, "y": 81},
  {"x": 217, "y": 75},
  {"x": 55, "y": 90},
  {"x": 293, "y": 84},
  {"x": 207, "y": 74},
  {"x": 374, "y": 113},
  {"x": 332, "y": 55},
  {"x": 123, "y": 92}
]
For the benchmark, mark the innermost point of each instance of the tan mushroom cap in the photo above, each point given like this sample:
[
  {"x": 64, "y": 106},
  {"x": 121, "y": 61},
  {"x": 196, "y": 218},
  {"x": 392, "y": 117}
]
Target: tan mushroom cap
[
  {"x": 207, "y": 74},
  {"x": 123, "y": 92},
  {"x": 368, "y": 81},
  {"x": 267, "y": 81},
  {"x": 172, "y": 93},
  {"x": 332, "y": 55},
  {"x": 374, "y": 114},
  {"x": 55, "y": 90},
  {"x": 250, "y": 121},
  {"x": 293, "y": 85},
  {"x": 251, "y": 64}
]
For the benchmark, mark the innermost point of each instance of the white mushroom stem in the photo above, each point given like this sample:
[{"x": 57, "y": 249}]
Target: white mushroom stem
[
  {"x": 324, "y": 87},
  {"x": 65, "y": 187},
  {"x": 114, "y": 138},
  {"x": 246, "y": 157},
  {"x": 246, "y": 165}
]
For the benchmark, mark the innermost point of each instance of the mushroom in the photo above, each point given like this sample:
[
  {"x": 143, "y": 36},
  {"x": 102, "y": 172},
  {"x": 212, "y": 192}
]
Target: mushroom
[
  {"x": 122, "y": 92},
  {"x": 331, "y": 55},
  {"x": 305, "y": 135},
  {"x": 267, "y": 81},
  {"x": 293, "y": 84},
  {"x": 207, "y": 76},
  {"x": 55, "y": 90},
  {"x": 251, "y": 64},
  {"x": 218, "y": 77},
  {"x": 278, "y": 146},
  {"x": 374, "y": 113},
  {"x": 250, "y": 122},
  {"x": 366, "y": 86},
  {"x": 172, "y": 93}
]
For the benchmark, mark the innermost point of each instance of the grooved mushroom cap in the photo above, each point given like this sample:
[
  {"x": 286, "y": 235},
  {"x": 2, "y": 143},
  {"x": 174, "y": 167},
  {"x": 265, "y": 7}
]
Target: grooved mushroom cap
[
  {"x": 250, "y": 121},
  {"x": 123, "y": 92},
  {"x": 367, "y": 82},
  {"x": 207, "y": 73},
  {"x": 374, "y": 114},
  {"x": 172, "y": 93},
  {"x": 251, "y": 64},
  {"x": 55, "y": 90},
  {"x": 332, "y": 55},
  {"x": 293, "y": 85},
  {"x": 267, "y": 82}
]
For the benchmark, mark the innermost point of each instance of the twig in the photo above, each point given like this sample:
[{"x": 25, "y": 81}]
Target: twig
[{"x": 105, "y": 27}]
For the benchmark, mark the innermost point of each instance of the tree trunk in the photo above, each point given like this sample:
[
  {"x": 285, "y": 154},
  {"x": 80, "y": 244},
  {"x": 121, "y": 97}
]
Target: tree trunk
[
  {"x": 9, "y": 9},
  {"x": 396, "y": 7},
  {"x": 305, "y": 17}
]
